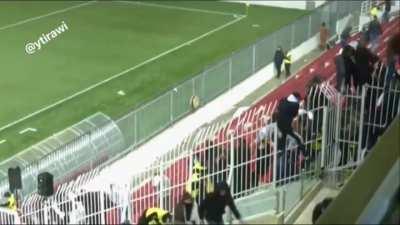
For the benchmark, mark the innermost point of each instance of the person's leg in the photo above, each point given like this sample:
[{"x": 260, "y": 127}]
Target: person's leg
[
  {"x": 298, "y": 140},
  {"x": 287, "y": 69},
  {"x": 278, "y": 69}
]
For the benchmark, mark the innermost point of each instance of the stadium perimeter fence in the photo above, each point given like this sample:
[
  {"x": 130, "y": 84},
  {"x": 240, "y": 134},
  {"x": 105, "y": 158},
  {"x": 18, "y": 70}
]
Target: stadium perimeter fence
[
  {"x": 146, "y": 121},
  {"x": 242, "y": 151}
]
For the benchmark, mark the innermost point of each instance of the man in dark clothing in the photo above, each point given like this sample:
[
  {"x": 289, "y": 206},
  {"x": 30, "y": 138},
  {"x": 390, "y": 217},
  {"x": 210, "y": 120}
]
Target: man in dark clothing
[
  {"x": 345, "y": 67},
  {"x": 388, "y": 7},
  {"x": 345, "y": 36},
  {"x": 288, "y": 109},
  {"x": 374, "y": 31},
  {"x": 212, "y": 208},
  {"x": 365, "y": 61},
  {"x": 340, "y": 72},
  {"x": 278, "y": 59}
]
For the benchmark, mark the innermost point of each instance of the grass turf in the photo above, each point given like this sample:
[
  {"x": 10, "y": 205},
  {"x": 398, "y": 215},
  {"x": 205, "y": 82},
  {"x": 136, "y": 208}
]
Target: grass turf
[{"x": 105, "y": 38}]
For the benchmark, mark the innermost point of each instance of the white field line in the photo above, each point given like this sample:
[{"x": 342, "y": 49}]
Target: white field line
[
  {"x": 27, "y": 130},
  {"x": 2, "y": 141},
  {"x": 121, "y": 73},
  {"x": 45, "y": 15},
  {"x": 180, "y": 8}
]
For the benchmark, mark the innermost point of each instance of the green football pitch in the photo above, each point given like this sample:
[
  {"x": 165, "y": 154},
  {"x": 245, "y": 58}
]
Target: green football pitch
[{"x": 142, "y": 48}]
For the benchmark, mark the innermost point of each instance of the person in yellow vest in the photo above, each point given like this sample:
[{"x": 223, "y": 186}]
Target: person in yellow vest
[
  {"x": 196, "y": 187},
  {"x": 287, "y": 60},
  {"x": 374, "y": 11},
  {"x": 156, "y": 216},
  {"x": 11, "y": 201}
]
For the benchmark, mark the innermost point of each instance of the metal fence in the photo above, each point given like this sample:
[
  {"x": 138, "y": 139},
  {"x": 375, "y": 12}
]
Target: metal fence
[
  {"x": 80, "y": 148},
  {"x": 244, "y": 152},
  {"x": 141, "y": 124}
]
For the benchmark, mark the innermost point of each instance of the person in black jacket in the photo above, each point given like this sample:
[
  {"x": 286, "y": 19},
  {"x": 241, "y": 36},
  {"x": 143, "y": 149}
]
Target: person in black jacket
[
  {"x": 288, "y": 109},
  {"x": 340, "y": 72},
  {"x": 345, "y": 67},
  {"x": 212, "y": 208},
  {"x": 365, "y": 61},
  {"x": 278, "y": 60},
  {"x": 374, "y": 31},
  {"x": 388, "y": 7}
]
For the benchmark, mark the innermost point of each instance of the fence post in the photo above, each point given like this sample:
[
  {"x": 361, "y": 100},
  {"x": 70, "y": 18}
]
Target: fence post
[
  {"x": 324, "y": 137},
  {"x": 292, "y": 36},
  {"x": 274, "y": 156},
  {"x": 309, "y": 25},
  {"x": 230, "y": 72},
  {"x": 277, "y": 202},
  {"x": 232, "y": 162},
  {"x": 171, "y": 105},
  {"x": 254, "y": 58},
  {"x": 102, "y": 209},
  {"x": 231, "y": 179},
  {"x": 283, "y": 200},
  {"x": 161, "y": 174},
  {"x": 135, "y": 127},
  {"x": 360, "y": 129},
  {"x": 337, "y": 133}
]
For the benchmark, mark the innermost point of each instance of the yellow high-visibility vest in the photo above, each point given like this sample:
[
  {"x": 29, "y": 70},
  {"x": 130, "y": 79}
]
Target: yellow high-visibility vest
[
  {"x": 195, "y": 191},
  {"x": 288, "y": 59},
  {"x": 12, "y": 203},
  {"x": 374, "y": 11},
  {"x": 159, "y": 212}
]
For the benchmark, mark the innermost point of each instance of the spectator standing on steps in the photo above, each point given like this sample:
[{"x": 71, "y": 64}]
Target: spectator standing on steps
[
  {"x": 388, "y": 7},
  {"x": 323, "y": 36},
  {"x": 374, "y": 31},
  {"x": 288, "y": 63},
  {"x": 278, "y": 59}
]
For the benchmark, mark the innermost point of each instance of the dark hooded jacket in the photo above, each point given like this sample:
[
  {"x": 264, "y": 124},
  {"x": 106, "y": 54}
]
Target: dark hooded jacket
[{"x": 212, "y": 208}]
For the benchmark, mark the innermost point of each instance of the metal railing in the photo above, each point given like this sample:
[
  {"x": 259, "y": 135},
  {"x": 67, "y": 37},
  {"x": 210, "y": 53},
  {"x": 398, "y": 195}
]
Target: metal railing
[
  {"x": 144, "y": 122},
  {"x": 243, "y": 152},
  {"x": 140, "y": 125}
]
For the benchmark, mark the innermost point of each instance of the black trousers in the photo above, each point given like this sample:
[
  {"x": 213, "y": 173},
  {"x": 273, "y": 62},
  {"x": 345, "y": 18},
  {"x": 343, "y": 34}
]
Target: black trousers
[
  {"x": 287, "y": 69},
  {"x": 278, "y": 69},
  {"x": 296, "y": 137}
]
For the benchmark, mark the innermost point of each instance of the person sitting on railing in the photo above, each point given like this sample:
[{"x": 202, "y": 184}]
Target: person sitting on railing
[{"x": 288, "y": 109}]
